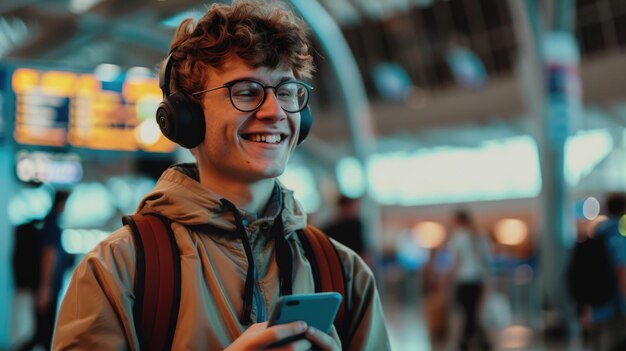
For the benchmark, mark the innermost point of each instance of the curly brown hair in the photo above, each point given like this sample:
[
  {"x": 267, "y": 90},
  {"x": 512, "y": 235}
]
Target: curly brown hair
[{"x": 262, "y": 34}]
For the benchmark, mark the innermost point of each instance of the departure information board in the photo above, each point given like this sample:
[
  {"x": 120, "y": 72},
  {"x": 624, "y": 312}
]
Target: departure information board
[{"x": 57, "y": 108}]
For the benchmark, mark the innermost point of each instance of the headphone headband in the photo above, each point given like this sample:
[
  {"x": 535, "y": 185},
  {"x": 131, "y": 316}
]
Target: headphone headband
[{"x": 165, "y": 73}]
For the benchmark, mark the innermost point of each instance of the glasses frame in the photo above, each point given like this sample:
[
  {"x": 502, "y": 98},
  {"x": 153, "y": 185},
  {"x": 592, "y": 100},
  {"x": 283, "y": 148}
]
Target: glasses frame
[{"x": 229, "y": 86}]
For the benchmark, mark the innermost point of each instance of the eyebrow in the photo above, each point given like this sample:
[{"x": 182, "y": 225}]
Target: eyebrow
[{"x": 281, "y": 80}]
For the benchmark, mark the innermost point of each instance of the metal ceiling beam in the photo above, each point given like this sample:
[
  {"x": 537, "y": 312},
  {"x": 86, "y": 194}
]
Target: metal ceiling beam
[
  {"x": 10, "y": 6},
  {"x": 69, "y": 32},
  {"x": 92, "y": 27},
  {"x": 53, "y": 31},
  {"x": 360, "y": 120},
  {"x": 552, "y": 123},
  {"x": 559, "y": 15},
  {"x": 120, "y": 26},
  {"x": 564, "y": 15}
]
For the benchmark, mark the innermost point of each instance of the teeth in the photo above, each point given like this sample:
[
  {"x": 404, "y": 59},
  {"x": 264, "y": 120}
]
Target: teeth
[{"x": 269, "y": 139}]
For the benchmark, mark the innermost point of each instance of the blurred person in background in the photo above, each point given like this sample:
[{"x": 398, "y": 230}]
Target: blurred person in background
[
  {"x": 436, "y": 299},
  {"x": 347, "y": 228},
  {"x": 469, "y": 275},
  {"x": 52, "y": 263},
  {"x": 236, "y": 74},
  {"x": 604, "y": 319}
]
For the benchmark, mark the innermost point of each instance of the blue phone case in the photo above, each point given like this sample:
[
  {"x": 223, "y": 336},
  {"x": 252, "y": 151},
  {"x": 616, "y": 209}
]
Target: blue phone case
[{"x": 317, "y": 310}]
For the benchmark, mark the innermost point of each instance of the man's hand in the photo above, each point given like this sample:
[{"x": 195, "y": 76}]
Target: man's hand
[
  {"x": 259, "y": 336},
  {"x": 322, "y": 340}
]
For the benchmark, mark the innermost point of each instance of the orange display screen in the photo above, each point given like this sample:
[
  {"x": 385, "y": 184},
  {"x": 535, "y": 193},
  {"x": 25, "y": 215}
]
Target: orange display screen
[{"x": 56, "y": 108}]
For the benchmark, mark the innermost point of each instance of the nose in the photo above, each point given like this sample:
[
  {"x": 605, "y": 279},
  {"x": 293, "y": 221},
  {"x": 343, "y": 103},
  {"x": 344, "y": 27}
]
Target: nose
[{"x": 270, "y": 108}]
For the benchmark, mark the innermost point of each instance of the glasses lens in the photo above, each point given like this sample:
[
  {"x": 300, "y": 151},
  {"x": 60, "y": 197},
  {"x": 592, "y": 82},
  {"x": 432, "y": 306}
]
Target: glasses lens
[
  {"x": 246, "y": 95},
  {"x": 292, "y": 96}
]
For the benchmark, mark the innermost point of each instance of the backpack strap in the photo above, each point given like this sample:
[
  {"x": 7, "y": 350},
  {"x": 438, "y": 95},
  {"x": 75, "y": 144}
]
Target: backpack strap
[
  {"x": 328, "y": 272},
  {"x": 157, "y": 281}
]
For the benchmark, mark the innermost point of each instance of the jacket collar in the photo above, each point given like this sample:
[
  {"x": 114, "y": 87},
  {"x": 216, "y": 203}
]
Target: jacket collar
[{"x": 179, "y": 196}]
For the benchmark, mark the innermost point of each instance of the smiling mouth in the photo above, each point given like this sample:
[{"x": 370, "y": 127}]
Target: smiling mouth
[{"x": 265, "y": 138}]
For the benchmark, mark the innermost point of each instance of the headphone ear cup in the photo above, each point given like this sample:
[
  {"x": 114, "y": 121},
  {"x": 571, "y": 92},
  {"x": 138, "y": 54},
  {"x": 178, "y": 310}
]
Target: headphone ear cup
[
  {"x": 306, "y": 121},
  {"x": 181, "y": 120},
  {"x": 165, "y": 120}
]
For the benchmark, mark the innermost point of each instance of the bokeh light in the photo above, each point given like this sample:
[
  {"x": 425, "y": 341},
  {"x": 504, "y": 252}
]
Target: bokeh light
[
  {"x": 350, "y": 177},
  {"x": 139, "y": 73},
  {"x": 301, "y": 180},
  {"x": 107, "y": 72},
  {"x": 81, "y": 241},
  {"x": 510, "y": 231},
  {"x": 148, "y": 132},
  {"x": 90, "y": 205},
  {"x": 48, "y": 167},
  {"x": 410, "y": 255},
  {"x": 429, "y": 235},
  {"x": 29, "y": 204},
  {"x": 146, "y": 106},
  {"x": 392, "y": 81},
  {"x": 591, "y": 208}
]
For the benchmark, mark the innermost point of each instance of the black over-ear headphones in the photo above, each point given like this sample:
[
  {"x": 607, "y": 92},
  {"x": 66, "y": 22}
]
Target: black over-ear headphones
[{"x": 181, "y": 119}]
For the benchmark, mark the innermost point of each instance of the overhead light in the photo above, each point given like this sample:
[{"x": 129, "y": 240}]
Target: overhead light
[
  {"x": 467, "y": 68},
  {"x": 350, "y": 177},
  {"x": 591, "y": 208},
  {"x": 392, "y": 81},
  {"x": 81, "y": 241},
  {"x": 14, "y": 31},
  {"x": 48, "y": 168},
  {"x": 511, "y": 231},
  {"x": 429, "y": 235},
  {"x": 139, "y": 73},
  {"x": 80, "y": 6},
  {"x": 148, "y": 132},
  {"x": 301, "y": 180},
  {"x": 107, "y": 72}
]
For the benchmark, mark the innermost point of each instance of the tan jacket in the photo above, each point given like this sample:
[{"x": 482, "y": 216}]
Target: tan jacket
[{"x": 96, "y": 313}]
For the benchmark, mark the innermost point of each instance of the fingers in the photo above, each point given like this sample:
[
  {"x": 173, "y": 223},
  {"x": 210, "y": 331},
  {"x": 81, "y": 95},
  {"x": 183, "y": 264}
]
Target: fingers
[
  {"x": 281, "y": 332},
  {"x": 333, "y": 333},
  {"x": 286, "y": 330},
  {"x": 258, "y": 336},
  {"x": 300, "y": 345},
  {"x": 258, "y": 326},
  {"x": 322, "y": 340}
]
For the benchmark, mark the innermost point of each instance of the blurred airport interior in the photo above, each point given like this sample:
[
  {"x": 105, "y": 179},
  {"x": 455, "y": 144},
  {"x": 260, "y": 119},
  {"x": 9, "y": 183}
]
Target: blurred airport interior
[{"x": 514, "y": 110}]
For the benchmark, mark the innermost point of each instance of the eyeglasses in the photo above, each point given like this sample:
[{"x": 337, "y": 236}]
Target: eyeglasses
[{"x": 247, "y": 95}]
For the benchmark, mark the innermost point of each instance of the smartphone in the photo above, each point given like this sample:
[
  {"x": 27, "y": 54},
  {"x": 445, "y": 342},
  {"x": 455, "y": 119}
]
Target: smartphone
[{"x": 317, "y": 310}]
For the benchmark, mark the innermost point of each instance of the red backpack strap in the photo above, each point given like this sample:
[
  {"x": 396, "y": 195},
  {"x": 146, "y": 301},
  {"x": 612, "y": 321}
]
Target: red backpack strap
[
  {"x": 326, "y": 264},
  {"x": 157, "y": 281}
]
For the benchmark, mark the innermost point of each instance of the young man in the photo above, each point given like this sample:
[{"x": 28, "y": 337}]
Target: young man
[{"x": 234, "y": 76}]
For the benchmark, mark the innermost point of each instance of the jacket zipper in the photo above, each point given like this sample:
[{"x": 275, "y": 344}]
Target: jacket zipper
[{"x": 261, "y": 315}]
